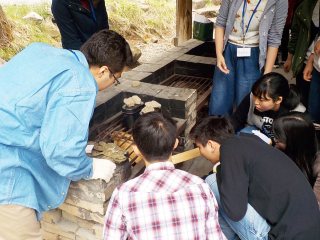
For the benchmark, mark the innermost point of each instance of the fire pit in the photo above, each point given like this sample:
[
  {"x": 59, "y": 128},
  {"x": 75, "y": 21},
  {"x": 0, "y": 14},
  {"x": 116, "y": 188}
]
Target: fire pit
[{"x": 181, "y": 82}]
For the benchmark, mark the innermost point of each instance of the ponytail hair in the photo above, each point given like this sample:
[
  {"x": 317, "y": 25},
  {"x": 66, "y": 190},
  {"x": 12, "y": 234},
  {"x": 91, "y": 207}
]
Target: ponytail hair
[
  {"x": 275, "y": 85},
  {"x": 293, "y": 99}
]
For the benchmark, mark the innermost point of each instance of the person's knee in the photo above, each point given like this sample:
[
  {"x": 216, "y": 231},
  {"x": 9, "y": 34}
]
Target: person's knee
[{"x": 211, "y": 180}]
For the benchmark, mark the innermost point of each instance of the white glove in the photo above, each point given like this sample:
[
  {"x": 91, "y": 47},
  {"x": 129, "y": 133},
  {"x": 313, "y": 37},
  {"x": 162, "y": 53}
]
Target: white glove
[
  {"x": 262, "y": 136},
  {"x": 103, "y": 169}
]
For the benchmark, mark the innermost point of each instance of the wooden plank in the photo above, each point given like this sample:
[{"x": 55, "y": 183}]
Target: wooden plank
[
  {"x": 185, "y": 156},
  {"x": 183, "y": 21}
]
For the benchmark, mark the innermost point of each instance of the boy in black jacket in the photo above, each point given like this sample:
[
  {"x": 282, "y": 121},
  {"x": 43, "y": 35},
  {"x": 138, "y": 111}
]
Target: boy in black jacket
[{"x": 261, "y": 192}]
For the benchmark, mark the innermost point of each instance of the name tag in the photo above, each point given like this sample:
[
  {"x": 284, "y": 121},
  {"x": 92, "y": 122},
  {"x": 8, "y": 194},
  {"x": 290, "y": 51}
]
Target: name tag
[{"x": 243, "y": 52}]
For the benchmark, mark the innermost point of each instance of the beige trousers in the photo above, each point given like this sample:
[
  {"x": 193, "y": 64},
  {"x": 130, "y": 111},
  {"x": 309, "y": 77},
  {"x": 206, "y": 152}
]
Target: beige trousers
[{"x": 18, "y": 223}]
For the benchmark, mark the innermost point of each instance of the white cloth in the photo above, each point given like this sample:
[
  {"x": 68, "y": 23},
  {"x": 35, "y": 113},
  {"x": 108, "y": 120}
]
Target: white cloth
[
  {"x": 316, "y": 60},
  {"x": 103, "y": 169},
  {"x": 262, "y": 136}
]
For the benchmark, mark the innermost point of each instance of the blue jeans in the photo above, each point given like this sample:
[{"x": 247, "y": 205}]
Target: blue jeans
[
  {"x": 251, "y": 227},
  {"x": 314, "y": 96},
  {"x": 248, "y": 129},
  {"x": 230, "y": 89}
]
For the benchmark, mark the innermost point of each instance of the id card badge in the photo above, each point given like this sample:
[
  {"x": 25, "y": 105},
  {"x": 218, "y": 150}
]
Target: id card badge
[{"x": 243, "y": 52}]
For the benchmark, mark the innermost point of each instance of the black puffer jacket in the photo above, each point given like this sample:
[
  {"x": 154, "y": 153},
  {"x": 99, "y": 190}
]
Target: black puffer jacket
[{"x": 77, "y": 23}]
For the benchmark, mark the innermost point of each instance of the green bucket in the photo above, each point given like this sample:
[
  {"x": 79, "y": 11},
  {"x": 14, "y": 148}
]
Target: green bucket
[{"x": 203, "y": 31}]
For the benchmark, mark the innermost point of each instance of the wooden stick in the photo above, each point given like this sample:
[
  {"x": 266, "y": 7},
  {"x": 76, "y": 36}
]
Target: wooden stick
[{"x": 185, "y": 156}]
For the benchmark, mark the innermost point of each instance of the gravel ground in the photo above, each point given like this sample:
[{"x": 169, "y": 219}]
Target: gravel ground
[{"x": 152, "y": 50}]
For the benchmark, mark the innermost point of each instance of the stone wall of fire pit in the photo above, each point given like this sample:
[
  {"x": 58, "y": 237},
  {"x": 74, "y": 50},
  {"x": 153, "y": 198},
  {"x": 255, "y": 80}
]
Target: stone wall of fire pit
[{"x": 81, "y": 216}]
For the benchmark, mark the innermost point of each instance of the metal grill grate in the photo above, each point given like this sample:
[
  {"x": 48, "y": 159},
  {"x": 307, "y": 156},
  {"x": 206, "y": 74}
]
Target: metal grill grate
[
  {"x": 114, "y": 124},
  {"x": 202, "y": 85},
  {"x": 114, "y": 131}
]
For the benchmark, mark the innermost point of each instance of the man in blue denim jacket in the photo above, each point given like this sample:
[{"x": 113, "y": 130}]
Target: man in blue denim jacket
[{"x": 47, "y": 100}]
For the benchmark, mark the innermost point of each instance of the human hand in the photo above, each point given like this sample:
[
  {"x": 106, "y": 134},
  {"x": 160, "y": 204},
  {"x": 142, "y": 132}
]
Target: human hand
[
  {"x": 221, "y": 64},
  {"x": 307, "y": 72},
  {"x": 287, "y": 65},
  {"x": 103, "y": 169}
]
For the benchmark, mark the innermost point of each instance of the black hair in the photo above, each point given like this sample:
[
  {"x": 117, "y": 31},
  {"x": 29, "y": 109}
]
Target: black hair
[
  {"x": 107, "y": 48},
  {"x": 155, "y": 136},
  {"x": 297, "y": 132},
  {"x": 212, "y": 128},
  {"x": 274, "y": 85}
]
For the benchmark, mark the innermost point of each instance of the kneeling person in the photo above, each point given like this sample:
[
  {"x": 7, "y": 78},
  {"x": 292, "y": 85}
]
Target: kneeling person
[
  {"x": 261, "y": 193},
  {"x": 163, "y": 202}
]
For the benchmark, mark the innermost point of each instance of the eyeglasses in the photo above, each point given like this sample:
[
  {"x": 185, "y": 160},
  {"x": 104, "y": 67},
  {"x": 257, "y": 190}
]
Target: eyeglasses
[{"x": 116, "y": 80}]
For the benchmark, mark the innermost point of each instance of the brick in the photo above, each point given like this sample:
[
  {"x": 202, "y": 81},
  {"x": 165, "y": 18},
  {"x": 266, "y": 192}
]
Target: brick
[
  {"x": 191, "y": 100},
  {"x": 139, "y": 76},
  {"x": 192, "y": 108},
  {"x": 84, "y": 234},
  {"x": 176, "y": 55},
  {"x": 53, "y": 236},
  {"x": 63, "y": 228},
  {"x": 95, "y": 228},
  {"x": 52, "y": 216},
  {"x": 185, "y": 57},
  {"x": 92, "y": 207},
  {"x": 82, "y": 192},
  {"x": 105, "y": 96},
  {"x": 82, "y": 213}
]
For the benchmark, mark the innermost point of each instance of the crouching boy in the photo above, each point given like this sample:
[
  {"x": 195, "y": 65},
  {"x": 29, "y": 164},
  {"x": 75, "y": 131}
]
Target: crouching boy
[
  {"x": 163, "y": 202},
  {"x": 261, "y": 193}
]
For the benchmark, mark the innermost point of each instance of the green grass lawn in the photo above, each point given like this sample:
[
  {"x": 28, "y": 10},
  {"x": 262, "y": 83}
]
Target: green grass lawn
[
  {"x": 125, "y": 17},
  {"x": 26, "y": 31}
]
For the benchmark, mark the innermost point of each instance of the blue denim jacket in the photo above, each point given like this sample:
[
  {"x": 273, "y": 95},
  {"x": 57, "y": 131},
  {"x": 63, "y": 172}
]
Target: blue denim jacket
[
  {"x": 47, "y": 101},
  {"x": 271, "y": 24}
]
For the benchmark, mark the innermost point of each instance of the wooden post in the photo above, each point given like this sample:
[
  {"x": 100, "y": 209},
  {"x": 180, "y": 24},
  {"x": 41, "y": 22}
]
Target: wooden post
[{"x": 183, "y": 21}]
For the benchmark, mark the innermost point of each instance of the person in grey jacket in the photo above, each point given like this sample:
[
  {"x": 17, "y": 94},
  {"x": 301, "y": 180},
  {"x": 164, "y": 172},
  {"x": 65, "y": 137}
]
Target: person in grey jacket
[
  {"x": 247, "y": 37},
  {"x": 271, "y": 97}
]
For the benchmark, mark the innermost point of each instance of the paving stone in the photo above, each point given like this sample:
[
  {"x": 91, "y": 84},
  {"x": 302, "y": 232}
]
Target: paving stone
[
  {"x": 82, "y": 213},
  {"x": 63, "y": 228},
  {"x": 95, "y": 228}
]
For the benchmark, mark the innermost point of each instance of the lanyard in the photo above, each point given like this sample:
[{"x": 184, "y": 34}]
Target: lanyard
[
  {"x": 243, "y": 13},
  {"x": 93, "y": 13},
  {"x": 74, "y": 54}
]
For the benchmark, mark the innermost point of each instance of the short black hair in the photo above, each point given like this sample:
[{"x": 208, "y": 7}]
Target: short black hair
[
  {"x": 155, "y": 136},
  {"x": 212, "y": 128},
  {"x": 276, "y": 85},
  {"x": 107, "y": 48}
]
